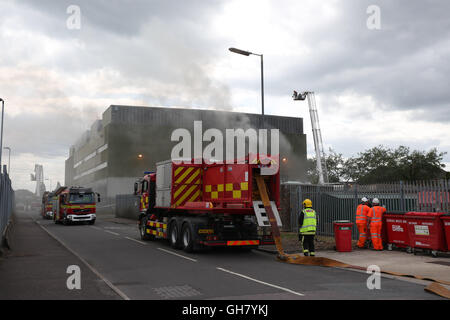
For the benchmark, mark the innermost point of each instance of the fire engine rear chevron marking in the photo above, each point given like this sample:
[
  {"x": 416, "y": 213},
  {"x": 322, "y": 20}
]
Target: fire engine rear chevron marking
[
  {"x": 194, "y": 175},
  {"x": 187, "y": 185},
  {"x": 186, "y": 194},
  {"x": 243, "y": 243},
  {"x": 183, "y": 174},
  {"x": 187, "y": 175},
  {"x": 179, "y": 190}
]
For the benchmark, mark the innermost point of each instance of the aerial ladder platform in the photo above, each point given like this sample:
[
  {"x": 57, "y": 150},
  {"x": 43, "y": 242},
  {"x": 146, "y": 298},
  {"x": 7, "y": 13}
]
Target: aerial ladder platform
[{"x": 317, "y": 135}]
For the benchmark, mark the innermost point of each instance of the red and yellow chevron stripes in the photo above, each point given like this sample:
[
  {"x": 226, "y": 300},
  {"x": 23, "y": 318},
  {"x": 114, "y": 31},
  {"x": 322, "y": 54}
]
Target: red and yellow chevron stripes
[
  {"x": 243, "y": 243},
  {"x": 187, "y": 185}
]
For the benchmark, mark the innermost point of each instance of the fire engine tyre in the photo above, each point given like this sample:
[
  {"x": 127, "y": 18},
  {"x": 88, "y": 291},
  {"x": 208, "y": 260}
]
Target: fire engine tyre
[
  {"x": 434, "y": 253},
  {"x": 174, "y": 235},
  {"x": 187, "y": 239},
  {"x": 142, "y": 230},
  {"x": 389, "y": 247}
]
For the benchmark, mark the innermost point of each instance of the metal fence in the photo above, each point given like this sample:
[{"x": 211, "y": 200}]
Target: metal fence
[
  {"x": 339, "y": 201},
  {"x": 127, "y": 206},
  {"x": 6, "y": 203}
]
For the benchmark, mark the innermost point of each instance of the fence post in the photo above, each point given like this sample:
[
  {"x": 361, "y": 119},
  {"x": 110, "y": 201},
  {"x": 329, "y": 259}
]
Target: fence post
[
  {"x": 402, "y": 197},
  {"x": 297, "y": 206}
]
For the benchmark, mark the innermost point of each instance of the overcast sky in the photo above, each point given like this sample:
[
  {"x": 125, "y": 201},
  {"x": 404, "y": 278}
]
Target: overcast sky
[{"x": 385, "y": 86}]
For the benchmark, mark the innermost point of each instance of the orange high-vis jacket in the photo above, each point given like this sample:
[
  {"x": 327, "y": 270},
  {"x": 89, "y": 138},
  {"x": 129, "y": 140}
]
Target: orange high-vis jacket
[
  {"x": 361, "y": 213},
  {"x": 376, "y": 214}
]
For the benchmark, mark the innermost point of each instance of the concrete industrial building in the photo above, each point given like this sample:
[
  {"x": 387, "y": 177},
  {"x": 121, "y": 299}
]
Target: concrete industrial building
[{"x": 107, "y": 159}]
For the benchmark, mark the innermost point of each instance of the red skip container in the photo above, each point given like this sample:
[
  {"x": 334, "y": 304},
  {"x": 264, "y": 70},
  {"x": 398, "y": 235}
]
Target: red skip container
[
  {"x": 426, "y": 231},
  {"x": 343, "y": 235},
  {"x": 446, "y": 222},
  {"x": 397, "y": 230}
]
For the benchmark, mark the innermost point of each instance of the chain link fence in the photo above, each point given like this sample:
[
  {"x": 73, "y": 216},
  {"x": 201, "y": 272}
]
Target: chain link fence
[
  {"x": 339, "y": 201},
  {"x": 6, "y": 203}
]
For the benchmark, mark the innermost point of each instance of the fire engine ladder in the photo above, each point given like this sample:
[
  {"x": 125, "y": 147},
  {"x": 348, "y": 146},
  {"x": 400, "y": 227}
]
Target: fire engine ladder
[
  {"x": 270, "y": 209},
  {"x": 261, "y": 214},
  {"x": 317, "y": 136}
]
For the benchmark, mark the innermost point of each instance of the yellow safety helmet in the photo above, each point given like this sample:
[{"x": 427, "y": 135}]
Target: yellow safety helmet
[{"x": 307, "y": 203}]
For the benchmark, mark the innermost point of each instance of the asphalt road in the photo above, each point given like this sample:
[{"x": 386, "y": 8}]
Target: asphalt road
[{"x": 134, "y": 269}]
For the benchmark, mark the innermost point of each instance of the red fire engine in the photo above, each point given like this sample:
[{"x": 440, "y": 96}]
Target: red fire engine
[
  {"x": 74, "y": 204},
  {"x": 202, "y": 205},
  {"x": 47, "y": 207}
]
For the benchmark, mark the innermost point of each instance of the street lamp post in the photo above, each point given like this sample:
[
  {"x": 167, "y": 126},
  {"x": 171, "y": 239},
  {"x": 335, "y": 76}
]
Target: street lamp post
[
  {"x": 1, "y": 134},
  {"x": 9, "y": 159},
  {"x": 247, "y": 53}
]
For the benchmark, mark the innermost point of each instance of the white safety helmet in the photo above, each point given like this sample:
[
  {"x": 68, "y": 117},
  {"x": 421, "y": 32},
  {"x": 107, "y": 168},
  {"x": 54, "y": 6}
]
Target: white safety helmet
[
  {"x": 364, "y": 199},
  {"x": 375, "y": 201}
]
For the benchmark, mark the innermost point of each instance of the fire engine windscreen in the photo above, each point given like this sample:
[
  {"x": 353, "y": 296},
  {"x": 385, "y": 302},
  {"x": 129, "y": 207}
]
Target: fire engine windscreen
[{"x": 81, "y": 198}]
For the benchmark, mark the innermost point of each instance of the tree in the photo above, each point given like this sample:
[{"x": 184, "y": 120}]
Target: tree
[
  {"x": 381, "y": 164},
  {"x": 334, "y": 162}
]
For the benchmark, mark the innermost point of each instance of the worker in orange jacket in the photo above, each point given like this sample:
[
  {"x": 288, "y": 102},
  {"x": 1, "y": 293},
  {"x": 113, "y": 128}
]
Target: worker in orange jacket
[
  {"x": 375, "y": 217},
  {"x": 361, "y": 221}
]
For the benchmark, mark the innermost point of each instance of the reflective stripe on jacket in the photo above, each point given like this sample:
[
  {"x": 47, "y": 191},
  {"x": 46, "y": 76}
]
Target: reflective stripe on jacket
[
  {"x": 361, "y": 213},
  {"x": 309, "y": 222},
  {"x": 376, "y": 214}
]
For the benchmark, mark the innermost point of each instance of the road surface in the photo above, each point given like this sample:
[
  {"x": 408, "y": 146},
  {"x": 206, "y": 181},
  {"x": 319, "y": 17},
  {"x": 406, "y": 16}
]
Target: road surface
[{"x": 116, "y": 264}]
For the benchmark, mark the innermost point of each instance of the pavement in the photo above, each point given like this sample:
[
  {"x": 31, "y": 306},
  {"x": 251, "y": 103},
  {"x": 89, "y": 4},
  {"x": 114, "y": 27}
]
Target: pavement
[
  {"x": 36, "y": 268},
  {"x": 116, "y": 264},
  {"x": 397, "y": 260}
]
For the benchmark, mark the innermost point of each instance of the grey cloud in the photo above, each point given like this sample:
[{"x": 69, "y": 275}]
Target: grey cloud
[
  {"x": 404, "y": 65},
  {"x": 123, "y": 17},
  {"x": 146, "y": 42}
]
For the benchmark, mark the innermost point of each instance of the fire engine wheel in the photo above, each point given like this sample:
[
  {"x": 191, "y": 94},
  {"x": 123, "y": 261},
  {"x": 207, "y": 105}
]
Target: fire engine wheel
[
  {"x": 174, "y": 235},
  {"x": 142, "y": 230},
  {"x": 187, "y": 239}
]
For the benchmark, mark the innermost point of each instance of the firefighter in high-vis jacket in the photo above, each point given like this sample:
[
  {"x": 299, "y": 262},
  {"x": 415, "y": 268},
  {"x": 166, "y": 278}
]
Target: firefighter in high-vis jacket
[{"x": 307, "y": 223}]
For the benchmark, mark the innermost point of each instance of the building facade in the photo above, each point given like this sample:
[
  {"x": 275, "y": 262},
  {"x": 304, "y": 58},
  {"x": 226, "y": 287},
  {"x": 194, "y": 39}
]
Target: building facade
[{"x": 129, "y": 140}]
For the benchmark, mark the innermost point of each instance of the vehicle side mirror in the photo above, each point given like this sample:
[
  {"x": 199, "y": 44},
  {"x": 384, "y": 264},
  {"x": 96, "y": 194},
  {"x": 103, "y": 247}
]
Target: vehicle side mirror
[
  {"x": 98, "y": 197},
  {"x": 135, "y": 188}
]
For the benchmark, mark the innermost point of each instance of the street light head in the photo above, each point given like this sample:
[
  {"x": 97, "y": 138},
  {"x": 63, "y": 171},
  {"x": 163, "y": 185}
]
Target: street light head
[{"x": 239, "y": 51}]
